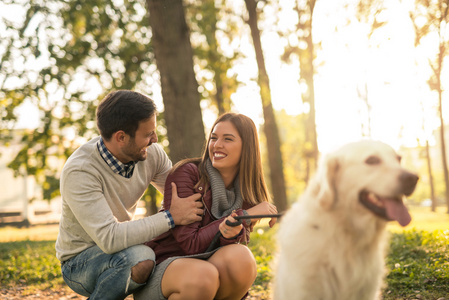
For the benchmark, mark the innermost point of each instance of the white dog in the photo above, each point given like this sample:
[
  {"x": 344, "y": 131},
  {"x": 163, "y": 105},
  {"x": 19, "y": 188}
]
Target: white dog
[{"x": 331, "y": 242}]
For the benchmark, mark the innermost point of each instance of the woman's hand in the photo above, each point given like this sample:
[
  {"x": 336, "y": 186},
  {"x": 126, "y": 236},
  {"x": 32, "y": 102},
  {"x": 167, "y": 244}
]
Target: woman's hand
[
  {"x": 230, "y": 231},
  {"x": 264, "y": 208}
]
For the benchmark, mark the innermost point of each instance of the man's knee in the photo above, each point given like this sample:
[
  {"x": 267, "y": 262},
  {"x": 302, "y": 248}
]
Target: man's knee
[
  {"x": 142, "y": 271},
  {"x": 141, "y": 258}
]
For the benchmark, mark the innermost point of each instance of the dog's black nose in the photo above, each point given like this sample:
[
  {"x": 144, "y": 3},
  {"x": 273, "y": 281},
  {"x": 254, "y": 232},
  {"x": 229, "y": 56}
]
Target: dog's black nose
[{"x": 408, "y": 182}]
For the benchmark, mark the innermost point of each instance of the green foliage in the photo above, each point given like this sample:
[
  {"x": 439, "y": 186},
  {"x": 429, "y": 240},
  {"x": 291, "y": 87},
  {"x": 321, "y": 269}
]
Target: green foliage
[
  {"x": 62, "y": 57},
  {"x": 30, "y": 263},
  {"x": 263, "y": 247},
  {"x": 294, "y": 152},
  {"x": 418, "y": 264},
  {"x": 213, "y": 28}
]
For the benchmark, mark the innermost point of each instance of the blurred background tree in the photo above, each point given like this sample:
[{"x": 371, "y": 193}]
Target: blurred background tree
[
  {"x": 302, "y": 48},
  {"x": 62, "y": 57},
  {"x": 431, "y": 18},
  {"x": 174, "y": 58},
  {"x": 213, "y": 28},
  {"x": 276, "y": 169},
  {"x": 65, "y": 56}
]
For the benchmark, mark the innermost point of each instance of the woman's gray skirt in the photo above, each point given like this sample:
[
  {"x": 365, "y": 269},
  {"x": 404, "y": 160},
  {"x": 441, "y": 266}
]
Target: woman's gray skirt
[{"x": 152, "y": 290}]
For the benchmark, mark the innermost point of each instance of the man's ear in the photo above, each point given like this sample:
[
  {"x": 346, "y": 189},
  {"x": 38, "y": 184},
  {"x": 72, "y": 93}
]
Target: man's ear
[{"x": 119, "y": 136}]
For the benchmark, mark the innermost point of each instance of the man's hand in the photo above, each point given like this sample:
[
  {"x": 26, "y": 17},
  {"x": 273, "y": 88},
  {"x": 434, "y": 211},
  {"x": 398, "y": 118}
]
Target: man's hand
[{"x": 185, "y": 211}]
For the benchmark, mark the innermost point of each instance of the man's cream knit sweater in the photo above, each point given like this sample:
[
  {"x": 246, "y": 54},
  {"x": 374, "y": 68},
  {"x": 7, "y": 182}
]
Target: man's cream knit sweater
[{"x": 98, "y": 205}]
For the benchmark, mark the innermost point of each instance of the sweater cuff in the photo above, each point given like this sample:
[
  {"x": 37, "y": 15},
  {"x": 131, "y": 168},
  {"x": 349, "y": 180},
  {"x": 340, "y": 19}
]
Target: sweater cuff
[
  {"x": 169, "y": 219},
  {"x": 247, "y": 221}
]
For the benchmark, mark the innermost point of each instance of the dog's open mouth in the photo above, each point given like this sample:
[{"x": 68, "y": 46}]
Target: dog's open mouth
[{"x": 385, "y": 207}]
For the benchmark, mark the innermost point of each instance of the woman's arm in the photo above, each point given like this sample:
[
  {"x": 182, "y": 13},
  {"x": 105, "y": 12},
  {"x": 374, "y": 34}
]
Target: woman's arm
[{"x": 196, "y": 237}]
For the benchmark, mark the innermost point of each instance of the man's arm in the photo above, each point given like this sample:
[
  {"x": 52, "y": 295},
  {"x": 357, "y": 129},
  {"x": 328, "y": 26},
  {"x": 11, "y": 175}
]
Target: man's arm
[
  {"x": 185, "y": 211},
  {"x": 94, "y": 221}
]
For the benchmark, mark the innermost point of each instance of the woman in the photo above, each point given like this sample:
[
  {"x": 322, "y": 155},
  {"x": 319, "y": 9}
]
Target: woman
[{"x": 230, "y": 178}]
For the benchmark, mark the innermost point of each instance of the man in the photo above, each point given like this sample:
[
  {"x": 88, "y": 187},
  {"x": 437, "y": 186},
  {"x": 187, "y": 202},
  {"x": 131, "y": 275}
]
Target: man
[{"x": 99, "y": 244}]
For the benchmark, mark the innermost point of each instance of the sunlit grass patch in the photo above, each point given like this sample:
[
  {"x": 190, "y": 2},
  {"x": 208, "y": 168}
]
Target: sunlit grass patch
[
  {"x": 32, "y": 233},
  {"x": 29, "y": 263},
  {"x": 424, "y": 219},
  {"x": 263, "y": 246},
  {"x": 418, "y": 264}
]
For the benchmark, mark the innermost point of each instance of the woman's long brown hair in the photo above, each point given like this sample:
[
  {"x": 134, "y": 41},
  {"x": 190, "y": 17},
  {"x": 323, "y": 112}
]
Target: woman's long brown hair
[{"x": 252, "y": 183}]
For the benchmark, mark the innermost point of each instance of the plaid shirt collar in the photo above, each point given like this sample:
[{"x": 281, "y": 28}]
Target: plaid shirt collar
[{"x": 125, "y": 170}]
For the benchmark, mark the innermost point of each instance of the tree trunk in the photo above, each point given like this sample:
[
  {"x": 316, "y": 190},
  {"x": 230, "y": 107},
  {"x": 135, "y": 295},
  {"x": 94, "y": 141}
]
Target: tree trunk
[
  {"x": 429, "y": 171},
  {"x": 214, "y": 57},
  {"x": 443, "y": 143},
  {"x": 437, "y": 72},
  {"x": 270, "y": 126},
  {"x": 307, "y": 70},
  {"x": 174, "y": 59},
  {"x": 364, "y": 96},
  {"x": 310, "y": 96},
  {"x": 429, "y": 164}
]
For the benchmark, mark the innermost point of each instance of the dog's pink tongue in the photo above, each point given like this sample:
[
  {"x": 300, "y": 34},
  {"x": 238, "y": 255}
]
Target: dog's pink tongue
[{"x": 396, "y": 210}]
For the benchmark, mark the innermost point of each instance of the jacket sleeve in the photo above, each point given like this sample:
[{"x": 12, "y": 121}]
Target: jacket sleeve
[{"x": 196, "y": 237}]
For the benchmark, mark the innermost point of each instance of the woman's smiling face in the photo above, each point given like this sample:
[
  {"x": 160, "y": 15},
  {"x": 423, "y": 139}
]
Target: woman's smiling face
[{"x": 225, "y": 147}]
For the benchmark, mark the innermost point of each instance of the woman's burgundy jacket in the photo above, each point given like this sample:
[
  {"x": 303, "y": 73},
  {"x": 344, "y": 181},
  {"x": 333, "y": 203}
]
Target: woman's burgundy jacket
[{"x": 196, "y": 237}]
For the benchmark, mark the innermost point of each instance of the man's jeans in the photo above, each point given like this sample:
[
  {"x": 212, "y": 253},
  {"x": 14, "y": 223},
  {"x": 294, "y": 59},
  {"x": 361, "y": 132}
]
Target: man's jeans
[{"x": 98, "y": 275}]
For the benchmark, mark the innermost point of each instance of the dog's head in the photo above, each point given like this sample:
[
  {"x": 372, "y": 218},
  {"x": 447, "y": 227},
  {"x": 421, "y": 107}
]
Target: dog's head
[{"x": 366, "y": 176}]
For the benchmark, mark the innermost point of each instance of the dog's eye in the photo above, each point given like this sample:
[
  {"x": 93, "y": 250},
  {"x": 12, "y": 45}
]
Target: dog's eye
[
  {"x": 399, "y": 158},
  {"x": 373, "y": 160}
]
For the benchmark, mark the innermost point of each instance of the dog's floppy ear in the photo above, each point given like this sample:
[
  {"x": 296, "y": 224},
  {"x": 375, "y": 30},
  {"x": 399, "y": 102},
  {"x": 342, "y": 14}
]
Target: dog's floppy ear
[{"x": 327, "y": 193}]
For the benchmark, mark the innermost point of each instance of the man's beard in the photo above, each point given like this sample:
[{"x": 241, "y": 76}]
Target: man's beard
[{"x": 136, "y": 154}]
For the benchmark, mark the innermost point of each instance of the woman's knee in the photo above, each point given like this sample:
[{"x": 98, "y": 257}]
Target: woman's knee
[
  {"x": 239, "y": 255},
  {"x": 238, "y": 261},
  {"x": 249, "y": 262},
  {"x": 205, "y": 277},
  {"x": 191, "y": 279}
]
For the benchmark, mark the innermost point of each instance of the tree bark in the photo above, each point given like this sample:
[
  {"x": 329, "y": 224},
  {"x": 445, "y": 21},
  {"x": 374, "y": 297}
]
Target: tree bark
[
  {"x": 310, "y": 96},
  {"x": 307, "y": 71},
  {"x": 437, "y": 72},
  {"x": 174, "y": 59},
  {"x": 443, "y": 143},
  {"x": 270, "y": 126},
  {"x": 429, "y": 171}
]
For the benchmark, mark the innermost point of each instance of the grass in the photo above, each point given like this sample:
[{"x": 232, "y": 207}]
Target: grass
[
  {"x": 33, "y": 233},
  {"x": 424, "y": 220},
  {"x": 30, "y": 263},
  {"x": 418, "y": 265},
  {"x": 417, "y": 262}
]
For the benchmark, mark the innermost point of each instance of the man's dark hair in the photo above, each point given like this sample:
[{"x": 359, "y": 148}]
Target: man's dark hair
[{"x": 123, "y": 110}]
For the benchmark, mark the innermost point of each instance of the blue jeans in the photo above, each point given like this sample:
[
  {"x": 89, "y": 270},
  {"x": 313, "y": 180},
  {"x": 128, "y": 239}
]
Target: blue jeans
[{"x": 98, "y": 275}]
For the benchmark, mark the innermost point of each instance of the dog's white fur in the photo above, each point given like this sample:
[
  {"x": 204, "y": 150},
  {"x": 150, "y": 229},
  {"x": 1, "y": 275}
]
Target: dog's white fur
[{"x": 331, "y": 247}]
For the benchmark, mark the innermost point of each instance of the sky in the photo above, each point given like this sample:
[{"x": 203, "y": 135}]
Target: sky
[{"x": 394, "y": 72}]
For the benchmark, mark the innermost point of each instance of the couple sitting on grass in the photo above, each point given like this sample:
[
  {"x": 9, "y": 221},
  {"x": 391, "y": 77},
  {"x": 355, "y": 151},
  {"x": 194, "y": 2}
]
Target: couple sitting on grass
[{"x": 106, "y": 254}]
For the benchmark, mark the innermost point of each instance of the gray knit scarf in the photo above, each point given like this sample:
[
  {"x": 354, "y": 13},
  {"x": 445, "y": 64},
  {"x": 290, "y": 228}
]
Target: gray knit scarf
[{"x": 223, "y": 201}]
